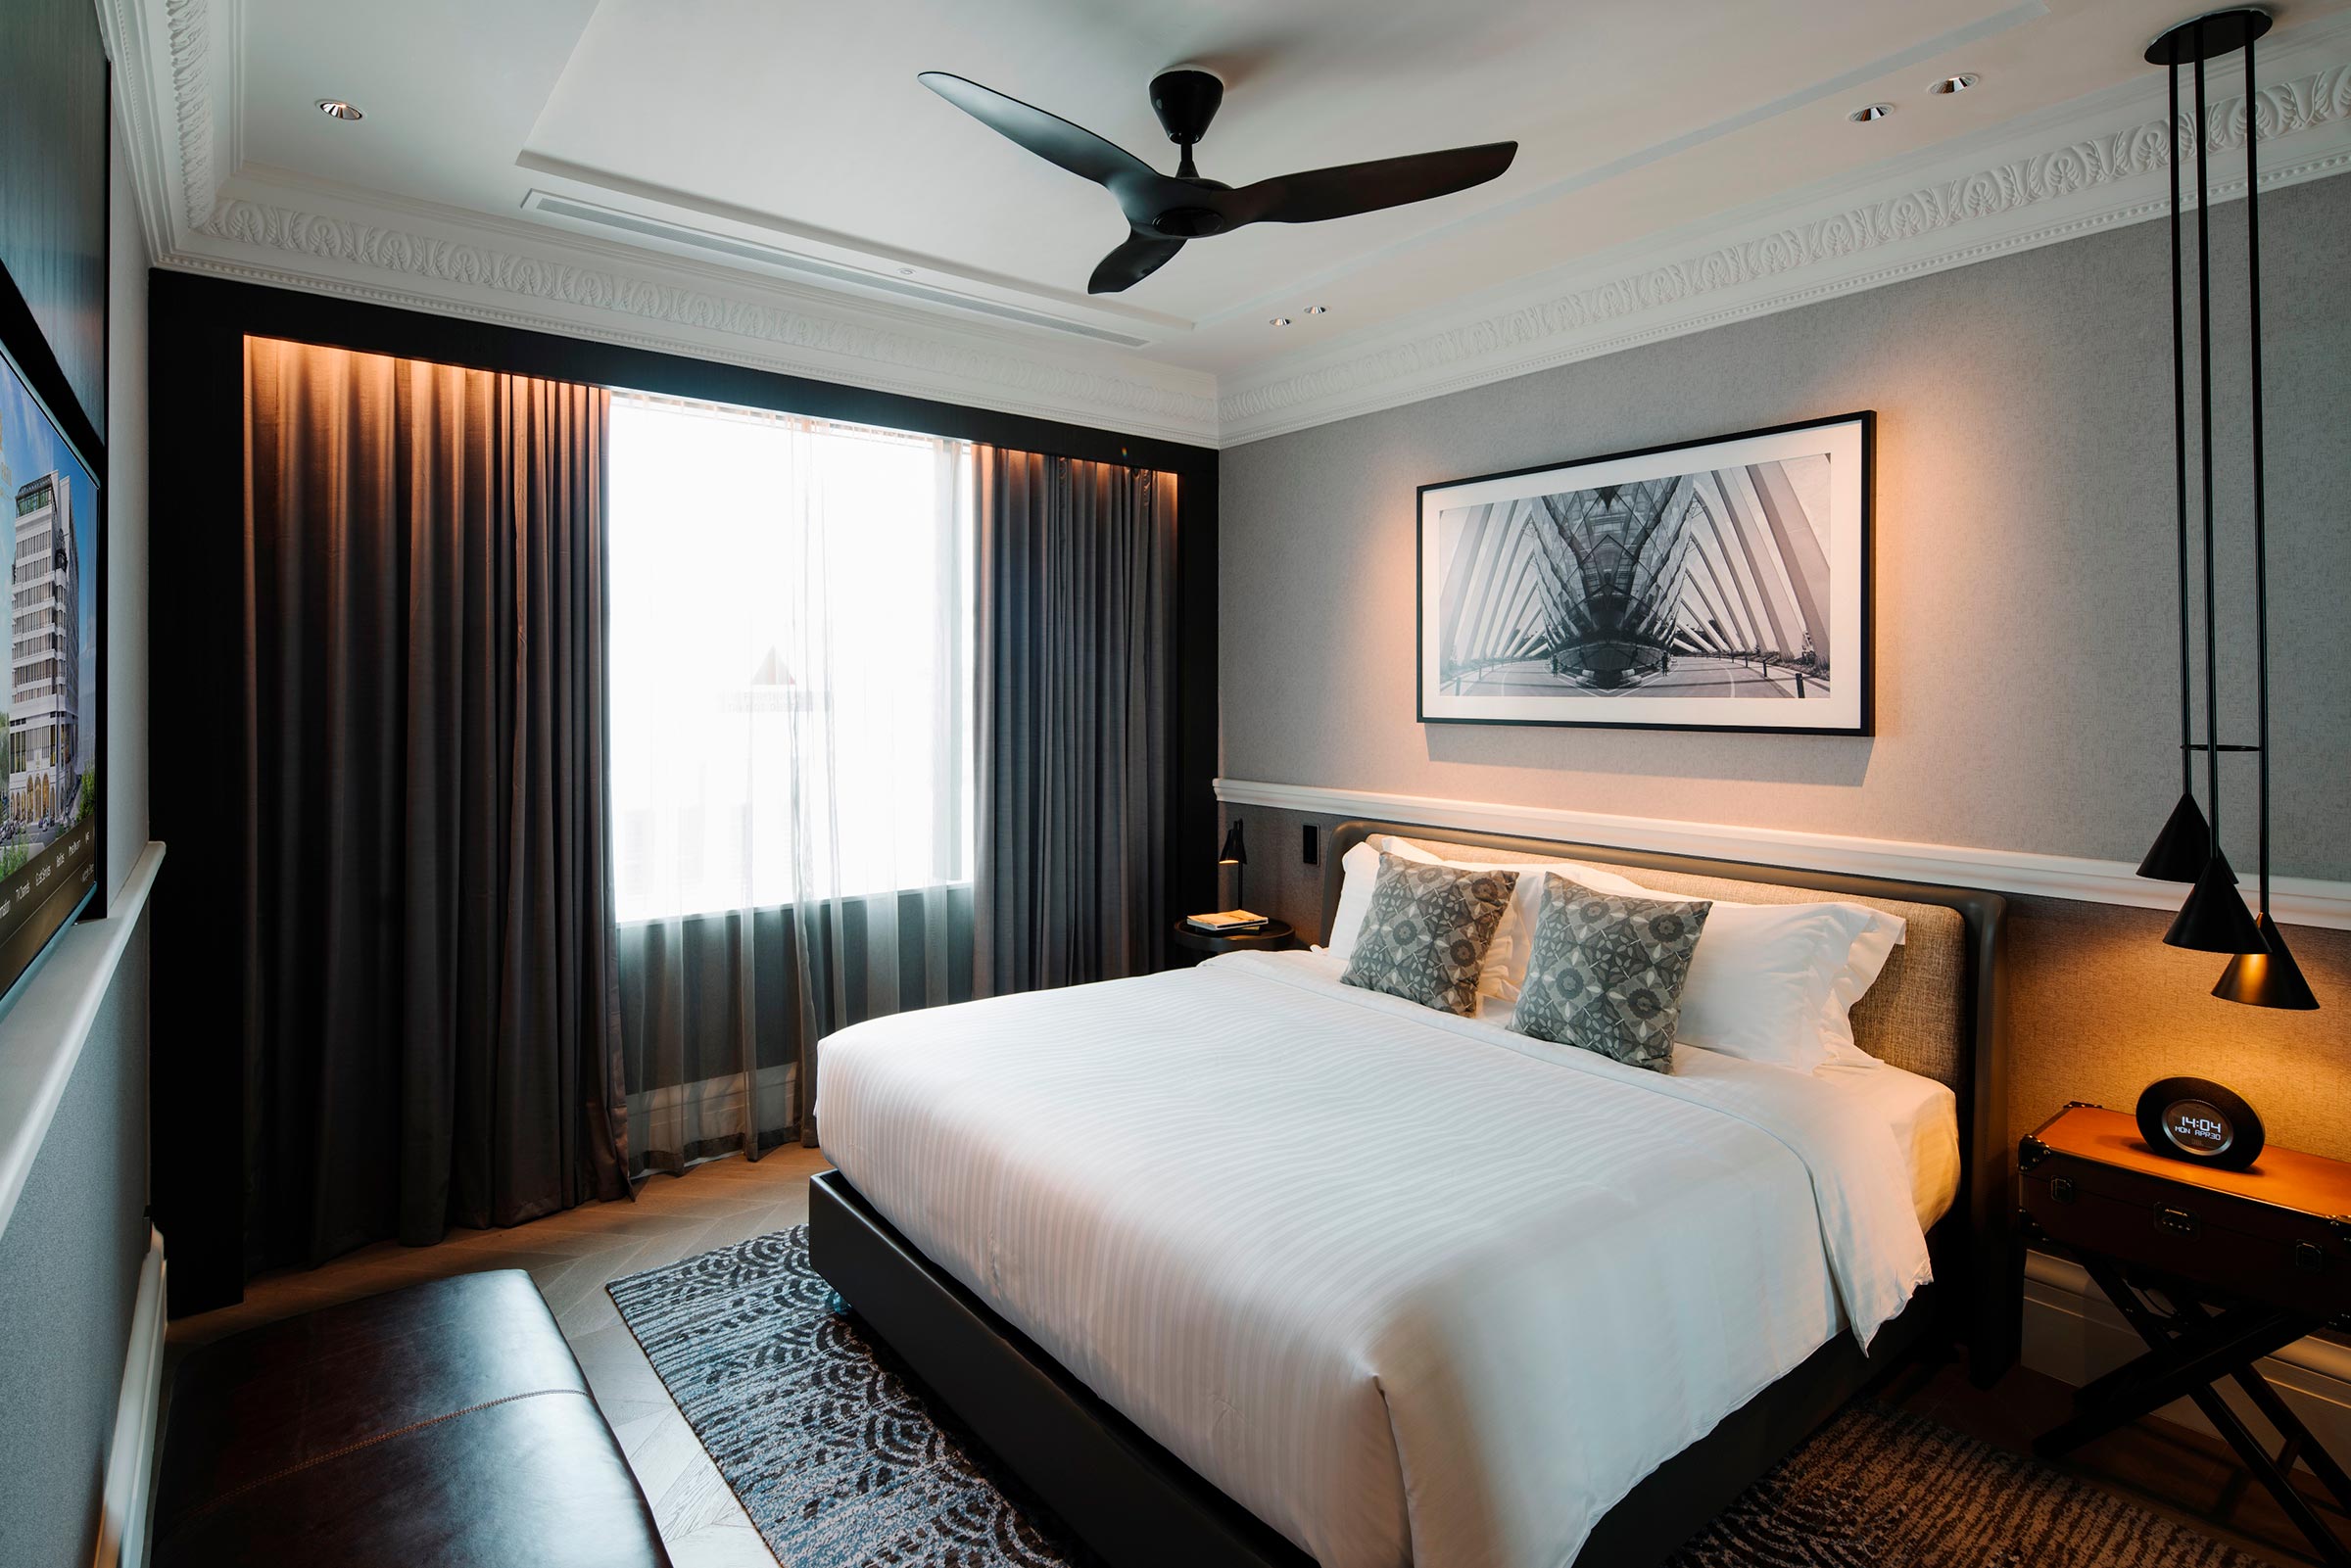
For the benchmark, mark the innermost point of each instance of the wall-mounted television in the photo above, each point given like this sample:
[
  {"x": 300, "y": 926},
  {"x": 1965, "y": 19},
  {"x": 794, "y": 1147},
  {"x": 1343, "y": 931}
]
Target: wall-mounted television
[{"x": 49, "y": 505}]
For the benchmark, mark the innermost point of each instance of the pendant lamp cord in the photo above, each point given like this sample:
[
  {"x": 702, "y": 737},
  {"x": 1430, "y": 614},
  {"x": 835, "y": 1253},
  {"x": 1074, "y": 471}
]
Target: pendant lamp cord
[
  {"x": 2188, "y": 738},
  {"x": 2212, "y": 657},
  {"x": 2261, "y": 543}
]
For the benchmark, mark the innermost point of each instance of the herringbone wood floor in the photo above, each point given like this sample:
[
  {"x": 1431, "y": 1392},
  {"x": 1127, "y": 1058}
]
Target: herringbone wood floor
[{"x": 571, "y": 1256}]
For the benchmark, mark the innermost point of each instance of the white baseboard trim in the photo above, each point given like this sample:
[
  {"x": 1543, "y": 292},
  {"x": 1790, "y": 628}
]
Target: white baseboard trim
[
  {"x": 2296, "y": 900},
  {"x": 2073, "y": 1334},
  {"x": 124, "y": 1505}
]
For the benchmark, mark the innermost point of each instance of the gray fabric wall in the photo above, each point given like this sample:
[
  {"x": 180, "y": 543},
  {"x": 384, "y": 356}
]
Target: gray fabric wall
[
  {"x": 70, "y": 1253},
  {"x": 2025, "y": 633},
  {"x": 69, "y": 1274},
  {"x": 2025, "y": 636}
]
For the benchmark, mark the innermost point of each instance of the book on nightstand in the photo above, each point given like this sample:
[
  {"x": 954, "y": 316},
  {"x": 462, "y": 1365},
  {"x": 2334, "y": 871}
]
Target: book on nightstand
[{"x": 1227, "y": 922}]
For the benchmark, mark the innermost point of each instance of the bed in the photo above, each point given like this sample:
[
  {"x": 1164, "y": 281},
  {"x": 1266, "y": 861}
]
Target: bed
[{"x": 1239, "y": 1264}]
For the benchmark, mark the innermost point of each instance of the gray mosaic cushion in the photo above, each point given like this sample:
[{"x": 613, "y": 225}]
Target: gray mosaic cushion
[
  {"x": 1425, "y": 936},
  {"x": 1607, "y": 971}
]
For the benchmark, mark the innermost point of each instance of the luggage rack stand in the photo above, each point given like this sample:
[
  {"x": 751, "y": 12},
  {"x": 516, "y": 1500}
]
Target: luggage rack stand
[{"x": 2197, "y": 1339}]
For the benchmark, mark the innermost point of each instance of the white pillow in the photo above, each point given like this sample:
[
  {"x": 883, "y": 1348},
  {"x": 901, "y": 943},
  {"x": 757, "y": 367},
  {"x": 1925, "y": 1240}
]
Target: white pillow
[
  {"x": 1851, "y": 964},
  {"x": 1762, "y": 979},
  {"x": 1862, "y": 966},
  {"x": 1359, "y": 869}
]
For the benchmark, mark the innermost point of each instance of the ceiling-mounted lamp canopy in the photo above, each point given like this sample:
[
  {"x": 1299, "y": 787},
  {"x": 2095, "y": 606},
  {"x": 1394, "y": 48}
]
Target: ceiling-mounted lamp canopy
[{"x": 2209, "y": 36}]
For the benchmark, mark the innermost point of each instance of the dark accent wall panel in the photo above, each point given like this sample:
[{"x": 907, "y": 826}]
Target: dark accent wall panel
[
  {"x": 53, "y": 122},
  {"x": 197, "y": 331},
  {"x": 68, "y": 1278}
]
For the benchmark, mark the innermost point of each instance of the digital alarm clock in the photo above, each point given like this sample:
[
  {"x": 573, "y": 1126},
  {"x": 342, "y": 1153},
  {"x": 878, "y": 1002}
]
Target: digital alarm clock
[{"x": 2200, "y": 1121}]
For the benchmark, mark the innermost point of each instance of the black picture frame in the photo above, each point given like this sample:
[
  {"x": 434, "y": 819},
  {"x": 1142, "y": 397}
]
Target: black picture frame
[{"x": 1855, "y": 717}]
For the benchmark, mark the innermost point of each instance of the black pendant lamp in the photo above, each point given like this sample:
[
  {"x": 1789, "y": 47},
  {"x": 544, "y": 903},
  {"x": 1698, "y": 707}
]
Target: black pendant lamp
[{"x": 2262, "y": 972}]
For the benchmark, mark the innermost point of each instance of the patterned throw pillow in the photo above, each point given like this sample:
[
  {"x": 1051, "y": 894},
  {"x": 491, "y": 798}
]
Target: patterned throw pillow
[
  {"x": 1425, "y": 936},
  {"x": 1607, "y": 971}
]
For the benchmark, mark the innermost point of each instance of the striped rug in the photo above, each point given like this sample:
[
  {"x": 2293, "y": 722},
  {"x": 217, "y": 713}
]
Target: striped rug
[{"x": 842, "y": 1464}]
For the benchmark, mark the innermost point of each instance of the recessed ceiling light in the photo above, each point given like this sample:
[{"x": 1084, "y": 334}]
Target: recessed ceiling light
[
  {"x": 1955, "y": 84},
  {"x": 337, "y": 109},
  {"x": 1277, "y": 321},
  {"x": 1318, "y": 310},
  {"x": 1862, "y": 116}
]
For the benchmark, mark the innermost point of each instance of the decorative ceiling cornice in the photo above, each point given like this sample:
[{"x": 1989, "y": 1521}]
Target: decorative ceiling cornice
[
  {"x": 394, "y": 251},
  {"x": 2083, "y": 166},
  {"x": 2013, "y": 202},
  {"x": 193, "y": 100},
  {"x": 620, "y": 299}
]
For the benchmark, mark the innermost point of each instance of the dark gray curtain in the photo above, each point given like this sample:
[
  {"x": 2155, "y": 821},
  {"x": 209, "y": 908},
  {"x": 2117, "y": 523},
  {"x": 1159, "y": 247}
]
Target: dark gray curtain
[
  {"x": 430, "y": 1008},
  {"x": 1077, "y": 581}
]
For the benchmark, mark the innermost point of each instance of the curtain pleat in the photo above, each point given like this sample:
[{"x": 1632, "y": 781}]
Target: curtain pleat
[
  {"x": 1077, "y": 572},
  {"x": 431, "y": 1023}
]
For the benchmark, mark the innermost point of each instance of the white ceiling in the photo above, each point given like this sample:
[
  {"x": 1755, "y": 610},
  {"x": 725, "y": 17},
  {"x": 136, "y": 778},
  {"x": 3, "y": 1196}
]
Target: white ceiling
[{"x": 795, "y": 136}]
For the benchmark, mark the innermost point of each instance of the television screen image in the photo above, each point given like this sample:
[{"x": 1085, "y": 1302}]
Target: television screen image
[{"x": 49, "y": 763}]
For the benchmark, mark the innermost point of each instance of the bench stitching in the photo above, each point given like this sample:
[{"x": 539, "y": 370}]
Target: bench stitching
[{"x": 210, "y": 1503}]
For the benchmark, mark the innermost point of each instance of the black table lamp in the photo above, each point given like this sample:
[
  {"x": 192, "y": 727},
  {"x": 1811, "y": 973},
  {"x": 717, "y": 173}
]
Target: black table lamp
[{"x": 1237, "y": 855}]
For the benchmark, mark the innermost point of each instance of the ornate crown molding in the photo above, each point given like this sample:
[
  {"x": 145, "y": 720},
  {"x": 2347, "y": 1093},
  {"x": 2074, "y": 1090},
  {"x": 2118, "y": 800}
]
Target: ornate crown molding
[
  {"x": 187, "y": 25},
  {"x": 2010, "y": 203},
  {"x": 405, "y": 263},
  {"x": 393, "y": 252},
  {"x": 2075, "y": 170}
]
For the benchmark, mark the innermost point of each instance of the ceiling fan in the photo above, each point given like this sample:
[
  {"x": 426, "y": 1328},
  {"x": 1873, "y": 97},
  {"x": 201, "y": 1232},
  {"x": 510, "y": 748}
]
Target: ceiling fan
[{"x": 1164, "y": 211}]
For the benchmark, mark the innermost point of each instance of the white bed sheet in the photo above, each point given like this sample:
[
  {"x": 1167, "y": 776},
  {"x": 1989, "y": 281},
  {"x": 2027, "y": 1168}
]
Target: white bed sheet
[
  {"x": 1412, "y": 1290},
  {"x": 1922, "y": 1115}
]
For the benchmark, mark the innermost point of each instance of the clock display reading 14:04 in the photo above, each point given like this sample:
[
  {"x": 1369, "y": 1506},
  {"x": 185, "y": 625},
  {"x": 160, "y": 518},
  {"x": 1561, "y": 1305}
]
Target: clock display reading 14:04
[{"x": 2197, "y": 1128}]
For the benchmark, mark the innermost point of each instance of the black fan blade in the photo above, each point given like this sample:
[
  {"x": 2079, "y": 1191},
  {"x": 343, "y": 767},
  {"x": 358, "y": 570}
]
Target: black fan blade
[
  {"x": 1142, "y": 191},
  {"x": 1122, "y": 268},
  {"x": 1351, "y": 188}
]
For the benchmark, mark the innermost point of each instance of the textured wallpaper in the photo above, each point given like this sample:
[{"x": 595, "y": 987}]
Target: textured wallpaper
[{"x": 2026, "y": 631}]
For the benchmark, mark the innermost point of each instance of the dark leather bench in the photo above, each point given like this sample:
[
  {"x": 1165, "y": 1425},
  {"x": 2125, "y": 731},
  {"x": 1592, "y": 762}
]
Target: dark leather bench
[{"x": 446, "y": 1423}]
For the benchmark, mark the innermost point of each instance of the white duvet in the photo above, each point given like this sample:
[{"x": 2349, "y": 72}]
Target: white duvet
[{"x": 1410, "y": 1288}]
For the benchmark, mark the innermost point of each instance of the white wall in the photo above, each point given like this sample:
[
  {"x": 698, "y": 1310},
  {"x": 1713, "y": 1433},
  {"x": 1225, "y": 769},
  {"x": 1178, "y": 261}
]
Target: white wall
[{"x": 123, "y": 762}]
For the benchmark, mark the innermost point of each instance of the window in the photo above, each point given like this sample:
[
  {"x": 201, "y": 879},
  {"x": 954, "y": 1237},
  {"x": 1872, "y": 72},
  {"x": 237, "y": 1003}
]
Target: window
[{"x": 790, "y": 659}]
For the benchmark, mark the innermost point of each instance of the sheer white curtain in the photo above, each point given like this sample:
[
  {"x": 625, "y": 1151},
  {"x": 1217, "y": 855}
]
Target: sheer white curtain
[{"x": 791, "y": 651}]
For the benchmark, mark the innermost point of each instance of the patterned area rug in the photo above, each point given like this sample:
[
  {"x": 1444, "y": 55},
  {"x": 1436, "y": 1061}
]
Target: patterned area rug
[{"x": 842, "y": 1464}]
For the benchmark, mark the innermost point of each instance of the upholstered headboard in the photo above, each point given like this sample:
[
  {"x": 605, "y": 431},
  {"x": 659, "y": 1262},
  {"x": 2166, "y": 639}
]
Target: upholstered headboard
[{"x": 1934, "y": 1010}]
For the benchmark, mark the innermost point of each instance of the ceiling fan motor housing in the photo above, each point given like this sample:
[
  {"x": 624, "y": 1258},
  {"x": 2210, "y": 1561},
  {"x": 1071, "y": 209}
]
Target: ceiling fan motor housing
[{"x": 1185, "y": 101}]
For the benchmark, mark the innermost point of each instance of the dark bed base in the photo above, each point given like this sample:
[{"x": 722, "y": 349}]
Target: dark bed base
[
  {"x": 1142, "y": 1507},
  {"x": 1139, "y": 1507}
]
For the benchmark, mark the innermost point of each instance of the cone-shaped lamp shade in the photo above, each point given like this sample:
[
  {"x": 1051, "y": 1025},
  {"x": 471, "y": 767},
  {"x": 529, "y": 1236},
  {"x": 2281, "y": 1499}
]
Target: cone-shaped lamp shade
[
  {"x": 2183, "y": 847},
  {"x": 2268, "y": 978},
  {"x": 1234, "y": 853},
  {"x": 2215, "y": 919}
]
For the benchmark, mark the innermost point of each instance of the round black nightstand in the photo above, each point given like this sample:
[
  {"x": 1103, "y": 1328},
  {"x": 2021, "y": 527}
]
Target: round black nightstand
[{"x": 1277, "y": 934}]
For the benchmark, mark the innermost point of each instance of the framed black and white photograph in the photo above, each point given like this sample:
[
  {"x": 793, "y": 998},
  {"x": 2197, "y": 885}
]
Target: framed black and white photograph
[{"x": 1718, "y": 585}]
